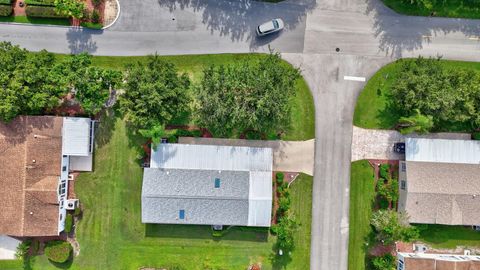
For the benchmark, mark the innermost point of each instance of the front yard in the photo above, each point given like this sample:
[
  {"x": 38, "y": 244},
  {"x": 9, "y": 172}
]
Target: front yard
[
  {"x": 372, "y": 110},
  {"x": 362, "y": 201},
  {"x": 111, "y": 234}
]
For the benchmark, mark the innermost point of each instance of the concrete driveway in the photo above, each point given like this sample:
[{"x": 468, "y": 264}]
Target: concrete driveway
[
  {"x": 288, "y": 156},
  {"x": 8, "y": 247}
]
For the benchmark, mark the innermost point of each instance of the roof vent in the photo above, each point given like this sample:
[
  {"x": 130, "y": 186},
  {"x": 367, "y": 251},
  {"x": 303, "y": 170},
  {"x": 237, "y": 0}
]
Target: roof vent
[
  {"x": 35, "y": 136},
  {"x": 168, "y": 172},
  {"x": 31, "y": 213},
  {"x": 33, "y": 161}
]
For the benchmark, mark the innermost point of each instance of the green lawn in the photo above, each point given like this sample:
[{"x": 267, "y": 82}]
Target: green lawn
[
  {"x": 371, "y": 109},
  {"x": 303, "y": 110},
  {"x": 111, "y": 234},
  {"x": 442, "y": 236},
  {"x": 446, "y": 8},
  {"x": 362, "y": 195},
  {"x": 112, "y": 237},
  {"x": 25, "y": 19}
]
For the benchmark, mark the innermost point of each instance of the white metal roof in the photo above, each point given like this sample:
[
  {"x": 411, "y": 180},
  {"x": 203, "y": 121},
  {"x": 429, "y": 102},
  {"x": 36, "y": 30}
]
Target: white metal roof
[
  {"x": 76, "y": 136},
  {"x": 211, "y": 157},
  {"x": 443, "y": 151},
  {"x": 260, "y": 199}
]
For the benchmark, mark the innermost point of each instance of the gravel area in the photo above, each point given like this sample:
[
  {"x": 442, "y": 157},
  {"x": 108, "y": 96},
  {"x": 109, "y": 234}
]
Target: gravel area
[{"x": 378, "y": 144}]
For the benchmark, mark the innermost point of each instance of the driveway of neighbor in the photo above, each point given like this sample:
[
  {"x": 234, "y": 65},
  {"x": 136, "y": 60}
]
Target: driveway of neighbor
[
  {"x": 288, "y": 156},
  {"x": 8, "y": 247},
  {"x": 378, "y": 144}
]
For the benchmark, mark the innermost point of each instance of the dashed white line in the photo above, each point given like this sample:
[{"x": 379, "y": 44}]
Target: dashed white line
[{"x": 353, "y": 78}]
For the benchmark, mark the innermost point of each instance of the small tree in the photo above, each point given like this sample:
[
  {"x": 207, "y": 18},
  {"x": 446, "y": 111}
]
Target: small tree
[
  {"x": 418, "y": 123},
  {"x": 391, "y": 227},
  {"x": 58, "y": 251},
  {"x": 72, "y": 8},
  {"x": 385, "y": 262},
  {"x": 285, "y": 230},
  {"x": 95, "y": 16},
  {"x": 22, "y": 249}
]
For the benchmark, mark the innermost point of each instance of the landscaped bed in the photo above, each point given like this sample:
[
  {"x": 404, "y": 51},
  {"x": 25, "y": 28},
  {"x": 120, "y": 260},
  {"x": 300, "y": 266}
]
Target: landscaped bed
[{"x": 110, "y": 233}]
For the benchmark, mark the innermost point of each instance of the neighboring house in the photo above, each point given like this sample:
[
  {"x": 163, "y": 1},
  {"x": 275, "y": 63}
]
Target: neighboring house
[
  {"x": 439, "y": 182},
  {"x": 36, "y": 155},
  {"x": 208, "y": 185},
  {"x": 429, "y": 261}
]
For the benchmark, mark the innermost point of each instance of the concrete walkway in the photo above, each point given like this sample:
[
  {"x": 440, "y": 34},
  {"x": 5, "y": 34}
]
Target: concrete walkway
[
  {"x": 378, "y": 144},
  {"x": 8, "y": 247},
  {"x": 288, "y": 156}
]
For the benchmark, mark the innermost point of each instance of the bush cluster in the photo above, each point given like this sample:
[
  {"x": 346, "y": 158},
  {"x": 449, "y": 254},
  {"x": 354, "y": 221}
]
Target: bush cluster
[
  {"x": 58, "y": 251},
  {"x": 476, "y": 135},
  {"x": 43, "y": 12},
  {"x": 68, "y": 223},
  {"x": 384, "y": 171},
  {"x": 5, "y": 10},
  {"x": 40, "y": 2}
]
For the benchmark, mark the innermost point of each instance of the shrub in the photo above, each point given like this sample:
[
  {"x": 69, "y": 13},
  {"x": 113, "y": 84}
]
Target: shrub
[
  {"x": 58, "y": 251},
  {"x": 77, "y": 211},
  {"x": 383, "y": 203},
  {"x": 188, "y": 133},
  {"x": 284, "y": 204},
  {"x": 384, "y": 168},
  {"x": 280, "y": 177},
  {"x": 253, "y": 135},
  {"x": 476, "y": 136},
  {"x": 95, "y": 16},
  {"x": 40, "y": 2},
  {"x": 385, "y": 262},
  {"x": 22, "y": 249},
  {"x": 43, "y": 12},
  {"x": 5, "y": 10},
  {"x": 172, "y": 139},
  {"x": 97, "y": 2},
  {"x": 90, "y": 25},
  {"x": 68, "y": 223},
  {"x": 284, "y": 231}
]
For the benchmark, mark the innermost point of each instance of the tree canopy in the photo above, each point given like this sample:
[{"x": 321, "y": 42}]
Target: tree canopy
[
  {"x": 31, "y": 83},
  {"x": 426, "y": 90},
  {"x": 72, "y": 8},
  {"x": 248, "y": 95},
  {"x": 392, "y": 226},
  {"x": 154, "y": 93},
  {"x": 28, "y": 85}
]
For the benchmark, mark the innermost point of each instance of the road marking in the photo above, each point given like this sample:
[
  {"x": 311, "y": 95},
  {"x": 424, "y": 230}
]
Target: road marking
[{"x": 352, "y": 78}]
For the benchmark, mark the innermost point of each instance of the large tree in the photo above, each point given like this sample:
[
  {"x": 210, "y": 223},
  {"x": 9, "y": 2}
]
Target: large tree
[
  {"x": 154, "y": 93},
  {"x": 427, "y": 88},
  {"x": 248, "y": 95},
  {"x": 27, "y": 83}
]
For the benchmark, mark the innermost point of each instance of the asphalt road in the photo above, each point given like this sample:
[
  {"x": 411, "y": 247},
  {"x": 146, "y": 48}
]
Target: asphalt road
[{"x": 367, "y": 34}]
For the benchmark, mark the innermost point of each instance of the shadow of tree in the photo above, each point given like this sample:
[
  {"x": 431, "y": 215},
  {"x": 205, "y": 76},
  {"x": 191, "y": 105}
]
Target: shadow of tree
[
  {"x": 399, "y": 33},
  {"x": 238, "y": 19},
  {"x": 80, "y": 40}
]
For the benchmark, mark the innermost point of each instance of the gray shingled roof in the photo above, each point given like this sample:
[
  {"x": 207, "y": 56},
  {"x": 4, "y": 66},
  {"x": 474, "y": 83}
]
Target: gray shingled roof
[{"x": 167, "y": 191}]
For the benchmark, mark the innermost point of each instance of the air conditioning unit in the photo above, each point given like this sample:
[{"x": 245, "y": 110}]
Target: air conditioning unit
[
  {"x": 70, "y": 177},
  {"x": 71, "y": 204}
]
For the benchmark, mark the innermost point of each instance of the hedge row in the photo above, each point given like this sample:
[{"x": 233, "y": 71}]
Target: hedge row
[
  {"x": 6, "y": 2},
  {"x": 43, "y": 12},
  {"x": 39, "y": 2},
  {"x": 5, "y": 10}
]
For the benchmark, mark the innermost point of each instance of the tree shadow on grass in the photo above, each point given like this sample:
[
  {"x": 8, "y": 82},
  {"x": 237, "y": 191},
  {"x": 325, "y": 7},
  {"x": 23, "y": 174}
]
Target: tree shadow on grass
[
  {"x": 105, "y": 127},
  {"x": 64, "y": 265},
  {"x": 279, "y": 261},
  {"x": 205, "y": 232},
  {"x": 389, "y": 116}
]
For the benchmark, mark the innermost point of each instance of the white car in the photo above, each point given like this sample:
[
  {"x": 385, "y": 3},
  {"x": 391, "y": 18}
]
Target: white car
[{"x": 272, "y": 26}]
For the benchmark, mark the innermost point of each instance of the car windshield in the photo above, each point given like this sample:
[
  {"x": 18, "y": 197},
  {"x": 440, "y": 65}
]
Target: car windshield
[{"x": 275, "y": 24}]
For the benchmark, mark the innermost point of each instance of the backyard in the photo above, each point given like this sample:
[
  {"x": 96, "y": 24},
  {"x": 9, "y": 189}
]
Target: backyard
[
  {"x": 362, "y": 200},
  {"x": 371, "y": 110},
  {"x": 110, "y": 233},
  {"x": 449, "y": 8}
]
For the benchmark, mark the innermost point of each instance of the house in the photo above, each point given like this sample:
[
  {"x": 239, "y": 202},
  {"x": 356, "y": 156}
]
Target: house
[
  {"x": 439, "y": 182},
  {"x": 36, "y": 155},
  {"x": 429, "y": 261},
  {"x": 208, "y": 185}
]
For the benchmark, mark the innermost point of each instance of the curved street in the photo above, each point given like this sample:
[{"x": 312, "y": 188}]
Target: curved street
[{"x": 367, "y": 35}]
